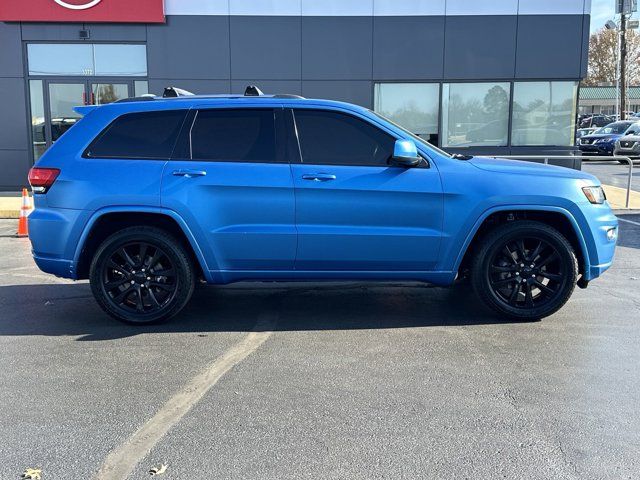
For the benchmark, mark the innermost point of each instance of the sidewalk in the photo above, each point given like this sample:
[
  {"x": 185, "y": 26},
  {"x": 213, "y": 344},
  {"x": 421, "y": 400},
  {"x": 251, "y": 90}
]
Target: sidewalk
[{"x": 10, "y": 204}]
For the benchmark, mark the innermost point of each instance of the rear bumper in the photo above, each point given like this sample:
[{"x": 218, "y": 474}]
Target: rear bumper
[{"x": 54, "y": 235}]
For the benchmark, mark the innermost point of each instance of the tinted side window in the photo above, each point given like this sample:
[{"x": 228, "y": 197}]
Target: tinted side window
[
  {"x": 242, "y": 135},
  {"x": 139, "y": 135},
  {"x": 334, "y": 138}
]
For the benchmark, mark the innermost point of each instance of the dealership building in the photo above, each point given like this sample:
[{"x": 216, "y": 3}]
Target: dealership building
[{"x": 476, "y": 76}]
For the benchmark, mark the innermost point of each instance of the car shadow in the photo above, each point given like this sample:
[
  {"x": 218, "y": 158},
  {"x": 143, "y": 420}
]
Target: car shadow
[{"x": 69, "y": 309}]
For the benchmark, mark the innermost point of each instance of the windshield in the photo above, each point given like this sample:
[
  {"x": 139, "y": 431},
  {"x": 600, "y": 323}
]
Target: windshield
[
  {"x": 633, "y": 129},
  {"x": 615, "y": 127},
  {"x": 419, "y": 140}
]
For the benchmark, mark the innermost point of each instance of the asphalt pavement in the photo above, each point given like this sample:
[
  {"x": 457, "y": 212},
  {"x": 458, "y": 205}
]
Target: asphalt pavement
[
  {"x": 613, "y": 173},
  {"x": 349, "y": 381}
]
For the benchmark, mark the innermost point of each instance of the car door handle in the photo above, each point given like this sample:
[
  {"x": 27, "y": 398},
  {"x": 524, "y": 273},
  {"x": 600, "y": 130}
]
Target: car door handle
[
  {"x": 189, "y": 173},
  {"x": 318, "y": 177}
]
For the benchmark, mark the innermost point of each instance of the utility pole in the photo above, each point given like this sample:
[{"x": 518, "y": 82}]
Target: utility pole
[{"x": 623, "y": 65}]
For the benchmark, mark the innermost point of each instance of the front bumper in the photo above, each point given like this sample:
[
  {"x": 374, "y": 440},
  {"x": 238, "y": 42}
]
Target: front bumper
[
  {"x": 597, "y": 149},
  {"x": 595, "y": 222}
]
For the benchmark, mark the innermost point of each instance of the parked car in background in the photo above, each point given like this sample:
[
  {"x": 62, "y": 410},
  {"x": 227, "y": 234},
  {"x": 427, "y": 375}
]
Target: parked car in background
[
  {"x": 629, "y": 144},
  {"x": 147, "y": 196},
  {"x": 598, "y": 120},
  {"x": 581, "y": 132},
  {"x": 602, "y": 141}
]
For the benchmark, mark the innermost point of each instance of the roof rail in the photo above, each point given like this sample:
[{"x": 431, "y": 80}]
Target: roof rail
[
  {"x": 252, "y": 91},
  {"x": 141, "y": 98},
  {"x": 172, "y": 92}
]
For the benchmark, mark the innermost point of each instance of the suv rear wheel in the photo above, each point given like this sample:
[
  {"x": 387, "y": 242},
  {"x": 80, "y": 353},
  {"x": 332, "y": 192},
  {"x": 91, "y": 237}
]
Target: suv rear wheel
[
  {"x": 142, "y": 275},
  {"x": 525, "y": 270}
]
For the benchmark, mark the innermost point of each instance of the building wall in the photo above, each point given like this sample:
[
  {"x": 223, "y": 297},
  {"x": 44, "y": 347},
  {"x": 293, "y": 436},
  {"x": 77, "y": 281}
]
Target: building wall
[{"x": 331, "y": 49}]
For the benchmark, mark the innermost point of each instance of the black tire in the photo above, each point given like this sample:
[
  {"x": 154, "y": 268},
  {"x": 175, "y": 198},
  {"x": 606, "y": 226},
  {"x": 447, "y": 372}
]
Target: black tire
[
  {"x": 529, "y": 285},
  {"x": 142, "y": 275}
]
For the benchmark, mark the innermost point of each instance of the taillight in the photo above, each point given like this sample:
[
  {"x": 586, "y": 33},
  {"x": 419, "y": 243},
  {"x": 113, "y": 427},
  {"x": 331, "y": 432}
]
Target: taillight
[{"x": 42, "y": 178}]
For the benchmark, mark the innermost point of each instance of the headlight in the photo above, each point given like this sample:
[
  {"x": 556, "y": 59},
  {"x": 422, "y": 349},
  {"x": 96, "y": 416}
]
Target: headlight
[{"x": 594, "y": 194}]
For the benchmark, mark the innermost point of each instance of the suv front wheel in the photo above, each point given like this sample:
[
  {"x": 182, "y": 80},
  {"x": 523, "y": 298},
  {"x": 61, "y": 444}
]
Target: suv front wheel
[
  {"x": 142, "y": 275},
  {"x": 524, "y": 269}
]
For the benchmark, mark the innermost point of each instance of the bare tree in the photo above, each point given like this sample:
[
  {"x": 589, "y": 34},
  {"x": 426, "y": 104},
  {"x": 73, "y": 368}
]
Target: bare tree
[{"x": 603, "y": 54}]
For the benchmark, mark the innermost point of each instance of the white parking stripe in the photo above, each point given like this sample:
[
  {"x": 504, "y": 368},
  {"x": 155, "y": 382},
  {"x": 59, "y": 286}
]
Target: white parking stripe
[
  {"x": 122, "y": 460},
  {"x": 628, "y": 221}
]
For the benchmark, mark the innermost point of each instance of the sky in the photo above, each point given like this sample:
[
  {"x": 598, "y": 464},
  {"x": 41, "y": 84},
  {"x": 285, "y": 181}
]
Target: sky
[{"x": 601, "y": 11}]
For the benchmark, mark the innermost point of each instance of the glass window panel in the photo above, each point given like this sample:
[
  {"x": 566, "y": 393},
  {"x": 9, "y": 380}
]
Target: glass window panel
[
  {"x": 104, "y": 93},
  {"x": 62, "y": 98},
  {"x": 544, "y": 113},
  {"x": 139, "y": 135},
  {"x": 333, "y": 138},
  {"x": 244, "y": 135},
  {"x": 60, "y": 59},
  {"x": 411, "y": 105},
  {"x": 38, "y": 137},
  {"x": 120, "y": 59},
  {"x": 475, "y": 114},
  {"x": 141, "y": 87}
]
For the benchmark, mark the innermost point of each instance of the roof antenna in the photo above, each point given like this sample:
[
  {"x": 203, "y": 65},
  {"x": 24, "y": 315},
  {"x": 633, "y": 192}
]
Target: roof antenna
[{"x": 252, "y": 91}]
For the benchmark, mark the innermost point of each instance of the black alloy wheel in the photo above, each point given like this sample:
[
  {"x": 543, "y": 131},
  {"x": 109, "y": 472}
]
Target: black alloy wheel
[
  {"x": 142, "y": 275},
  {"x": 525, "y": 270}
]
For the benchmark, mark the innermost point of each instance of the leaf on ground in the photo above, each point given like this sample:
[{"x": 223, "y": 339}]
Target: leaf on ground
[
  {"x": 159, "y": 470},
  {"x": 32, "y": 473}
]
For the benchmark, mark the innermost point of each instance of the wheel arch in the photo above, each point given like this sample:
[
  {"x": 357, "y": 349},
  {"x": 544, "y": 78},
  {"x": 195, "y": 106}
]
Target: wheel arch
[
  {"x": 106, "y": 221},
  {"x": 557, "y": 217}
]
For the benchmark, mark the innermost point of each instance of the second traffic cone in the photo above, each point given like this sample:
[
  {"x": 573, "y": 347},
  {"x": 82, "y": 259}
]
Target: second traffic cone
[{"x": 25, "y": 210}]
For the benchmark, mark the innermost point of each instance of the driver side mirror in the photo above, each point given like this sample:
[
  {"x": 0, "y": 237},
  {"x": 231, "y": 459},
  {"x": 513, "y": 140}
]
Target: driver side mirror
[{"x": 405, "y": 154}]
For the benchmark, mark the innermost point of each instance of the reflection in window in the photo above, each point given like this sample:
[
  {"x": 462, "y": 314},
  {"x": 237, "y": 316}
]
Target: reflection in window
[
  {"x": 475, "y": 114},
  {"x": 60, "y": 59},
  {"x": 544, "y": 113},
  {"x": 104, "y": 93},
  {"x": 120, "y": 60},
  {"x": 412, "y": 105},
  {"x": 38, "y": 136},
  {"x": 140, "y": 87},
  {"x": 87, "y": 59},
  {"x": 62, "y": 98}
]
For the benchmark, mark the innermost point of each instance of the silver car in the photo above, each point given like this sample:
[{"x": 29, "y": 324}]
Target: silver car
[{"x": 629, "y": 144}]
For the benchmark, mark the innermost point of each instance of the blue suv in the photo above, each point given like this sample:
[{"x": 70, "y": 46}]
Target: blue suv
[{"x": 146, "y": 197}]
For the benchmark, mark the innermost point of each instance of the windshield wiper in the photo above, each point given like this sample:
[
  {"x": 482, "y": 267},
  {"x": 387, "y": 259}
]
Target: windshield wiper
[{"x": 461, "y": 156}]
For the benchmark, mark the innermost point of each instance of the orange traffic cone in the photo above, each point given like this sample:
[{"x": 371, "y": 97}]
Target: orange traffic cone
[{"x": 25, "y": 210}]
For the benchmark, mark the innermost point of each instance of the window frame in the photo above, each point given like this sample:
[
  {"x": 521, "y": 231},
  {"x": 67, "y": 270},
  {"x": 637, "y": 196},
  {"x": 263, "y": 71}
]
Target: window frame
[
  {"x": 99, "y": 135},
  {"x": 296, "y": 137},
  {"x": 183, "y": 148}
]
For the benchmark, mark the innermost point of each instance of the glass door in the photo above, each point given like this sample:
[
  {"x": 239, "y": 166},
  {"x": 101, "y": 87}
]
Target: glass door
[
  {"x": 62, "y": 98},
  {"x": 109, "y": 92},
  {"x": 52, "y": 103}
]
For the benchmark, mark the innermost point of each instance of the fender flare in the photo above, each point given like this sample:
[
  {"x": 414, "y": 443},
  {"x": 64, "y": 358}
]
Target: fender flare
[
  {"x": 514, "y": 208},
  {"x": 143, "y": 209}
]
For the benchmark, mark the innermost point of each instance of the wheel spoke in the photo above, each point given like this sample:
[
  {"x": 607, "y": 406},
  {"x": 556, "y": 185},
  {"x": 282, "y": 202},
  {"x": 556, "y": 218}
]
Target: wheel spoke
[
  {"x": 115, "y": 283},
  {"x": 139, "y": 304},
  {"x": 544, "y": 288},
  {"x": 162, "y": 286},
  {"x": 125, "y": 256},
  {"x": 153, "y": 298},
  {"x": 513, "y": 298},
  {"x": 154, "y": 259},
  {"x": 532, "y": 257},
  {"x": 505, "y": 281},
  {"x": 501, "y": 269},
  {"x": 528, "y": 297},
  {"x": 123, "y": 295},
  {"x": 551, "y": 276},
  {"x": 507, "y": 252},
  {"x": 522, "y": 256},
  {"x": 550, "y": 258},
  {"x": 113, "y": 265},
  {"x": 143, "y": 252}
]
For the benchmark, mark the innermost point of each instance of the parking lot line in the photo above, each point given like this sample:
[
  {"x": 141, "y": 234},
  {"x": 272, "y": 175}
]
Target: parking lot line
[
  {"x": 628, "y": 221},
  {"x": 121, "y": 461}
]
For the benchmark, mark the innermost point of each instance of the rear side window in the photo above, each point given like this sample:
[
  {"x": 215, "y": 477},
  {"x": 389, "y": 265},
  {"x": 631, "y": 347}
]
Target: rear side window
[
  {"x": 243, "y": 135},
  {"x": 139, "y": 135},
  {"x": 333, "y": 138}
]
